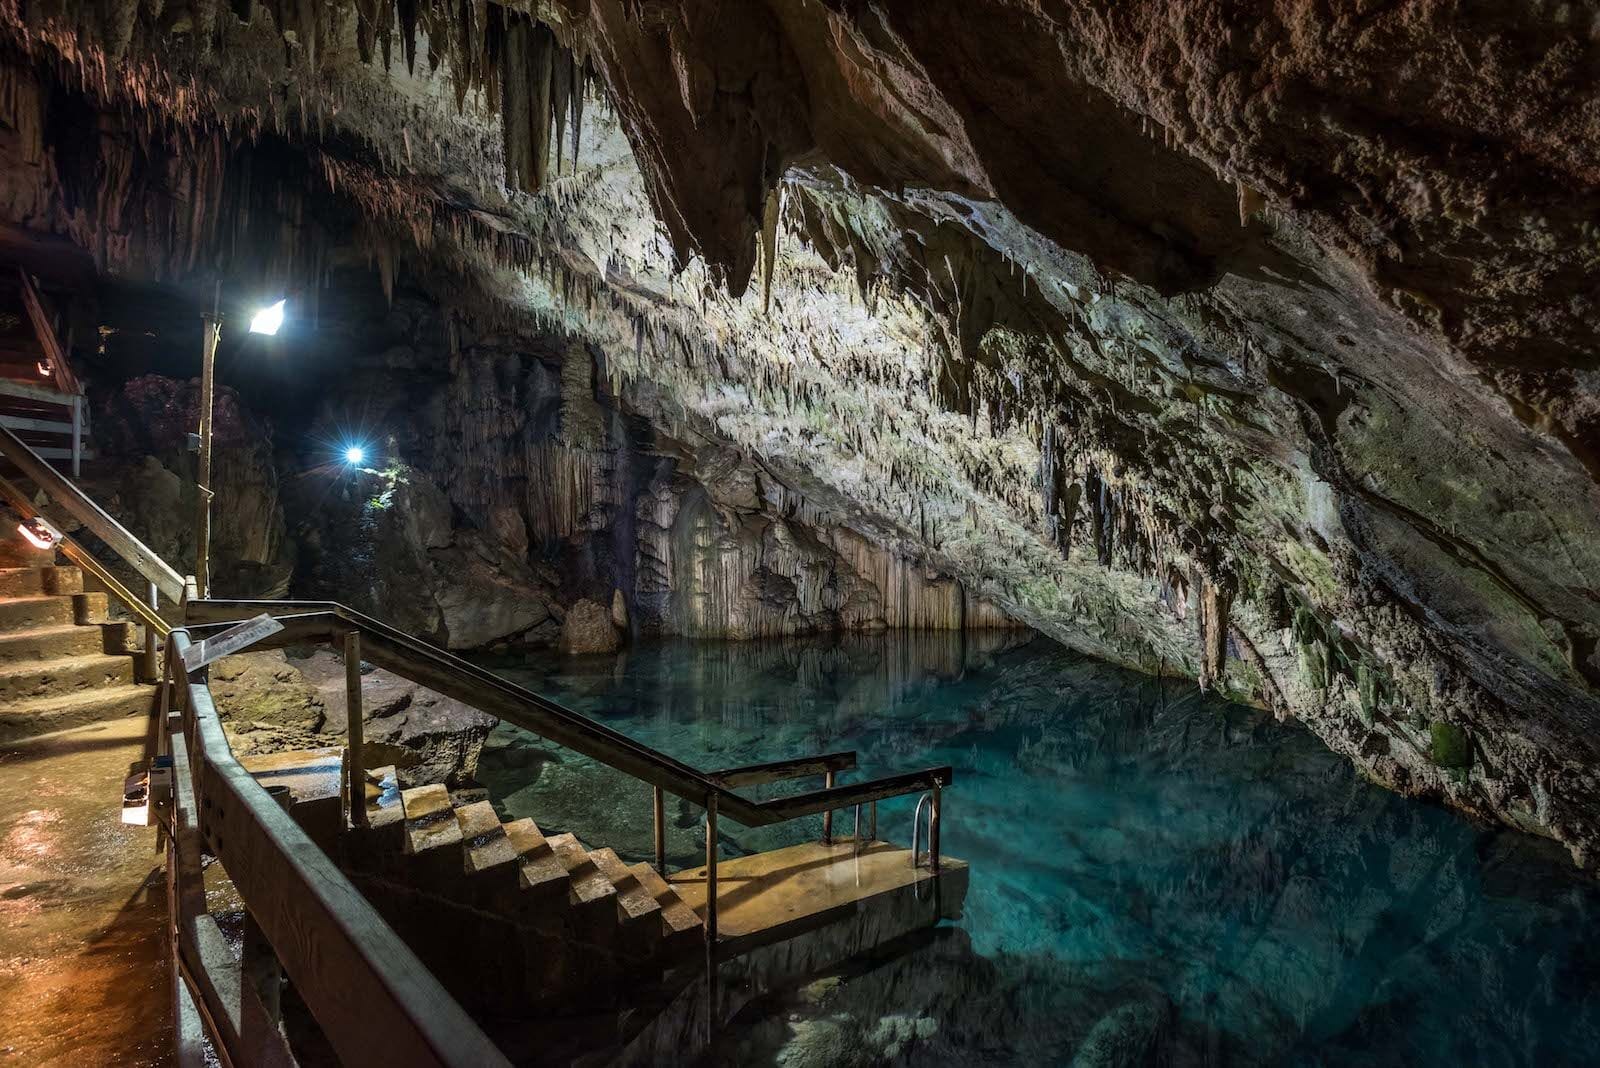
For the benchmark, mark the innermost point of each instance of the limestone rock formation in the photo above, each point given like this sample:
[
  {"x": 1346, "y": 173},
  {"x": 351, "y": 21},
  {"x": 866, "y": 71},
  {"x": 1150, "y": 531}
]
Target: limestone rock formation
[
  {"x": 588, "y": 629},
  {"x": 1253, "y": 343}
]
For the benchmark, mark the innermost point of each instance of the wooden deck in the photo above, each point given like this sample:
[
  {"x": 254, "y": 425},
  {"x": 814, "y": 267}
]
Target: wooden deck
[{"x": 768, "y": 897}]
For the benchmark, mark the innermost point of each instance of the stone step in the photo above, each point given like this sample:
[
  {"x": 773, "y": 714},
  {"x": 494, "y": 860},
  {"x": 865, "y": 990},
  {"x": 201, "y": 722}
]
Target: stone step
[
  {"x": 16, "y": 553},
  {"x": 51, "y": 643},
  {"x": 41, "y": 715},
  {"x": 634, "y": 902},
  {"x": 25, "y": 679},
  {"x": 638, "y": 912},
  {"x": 375, "y": 845},
  {"x": 540, "y": 871},
  {"x": 22, "y": 581},
  {"x": 431, "y": 827},
  {"x": 40, "y": 610},
  {"x": 681, "y": 926},
  {"x": 384, "y": 805},
  {"x": 90, "y": 608},
  {"x": 589, "y": 884},
  {"x": 62, "y": 580},
  {"x": 490, "y": 858}
]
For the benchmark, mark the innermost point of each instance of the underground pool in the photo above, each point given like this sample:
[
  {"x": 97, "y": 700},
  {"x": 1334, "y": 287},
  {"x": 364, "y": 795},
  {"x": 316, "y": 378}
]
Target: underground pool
[{"x": 1157, "y": 876}]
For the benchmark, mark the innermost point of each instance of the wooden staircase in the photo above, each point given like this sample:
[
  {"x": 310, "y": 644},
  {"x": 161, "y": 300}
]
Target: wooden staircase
[
  {"x": 62, "y": 662},
  {"x": 41, "y": 400},
  {"x": 551, "y": 920}
]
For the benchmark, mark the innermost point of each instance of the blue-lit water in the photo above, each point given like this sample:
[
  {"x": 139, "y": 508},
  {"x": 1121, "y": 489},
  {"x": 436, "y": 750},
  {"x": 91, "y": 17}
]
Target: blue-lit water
[{"x": 1157, "y": 877}]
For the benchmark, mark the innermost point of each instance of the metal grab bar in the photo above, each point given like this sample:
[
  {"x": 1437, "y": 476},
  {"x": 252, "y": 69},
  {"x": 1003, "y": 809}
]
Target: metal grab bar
[
  {"x": 872, "y": 827},
  {"x": 931, "y": 798}
]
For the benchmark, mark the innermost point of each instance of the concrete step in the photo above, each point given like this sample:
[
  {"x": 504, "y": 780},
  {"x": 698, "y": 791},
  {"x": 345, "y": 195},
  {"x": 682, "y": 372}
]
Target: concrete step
[
  {"x": 41, "y": 715},
  {"x": 433, "y": 836},
  {"x": 53, "y": 643},
  {"x": 541, "y": 872},
  {"x": 589, "y": 884},
  {"x": 681, "y": 928},
  {"x": 490, "y": 858},
  {"x": 22, "y": 680},
  {"x": 40, "y": 610},
  {"x": 638, "y": 912}
]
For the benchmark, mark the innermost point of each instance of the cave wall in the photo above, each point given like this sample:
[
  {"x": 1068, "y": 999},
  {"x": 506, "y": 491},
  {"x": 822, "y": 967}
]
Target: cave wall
[
  {"x": 1252, "y": 342},
  {"x": 503, "y": 485}
]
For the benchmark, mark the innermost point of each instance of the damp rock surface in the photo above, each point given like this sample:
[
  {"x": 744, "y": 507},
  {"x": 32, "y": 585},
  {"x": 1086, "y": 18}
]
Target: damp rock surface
[{"x": 1249, "y": 344}]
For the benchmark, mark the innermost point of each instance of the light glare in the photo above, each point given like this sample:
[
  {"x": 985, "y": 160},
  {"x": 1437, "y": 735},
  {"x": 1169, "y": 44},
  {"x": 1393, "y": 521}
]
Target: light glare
[
  {"x": 268, "y": 319},
  {"x": 39, "y": 539},
  {"x": 355, "y": 454}
]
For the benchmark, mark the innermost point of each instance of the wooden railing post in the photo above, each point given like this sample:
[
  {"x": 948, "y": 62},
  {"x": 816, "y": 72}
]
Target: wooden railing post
[
  {"x": 711, "y": 916},
  {"x": 77, "y": 436},
  {"x": 258, "y": 963},
  {"x": 660, "y": 814},
  {"x": 827, "y": 817},
  {"x": 352, "y": 706},
  {"x": 202, "y": 516}
]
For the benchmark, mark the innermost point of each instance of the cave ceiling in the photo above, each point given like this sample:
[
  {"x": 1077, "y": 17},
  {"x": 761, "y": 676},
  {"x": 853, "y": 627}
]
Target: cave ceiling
[{"x": 1251, "y": 342}]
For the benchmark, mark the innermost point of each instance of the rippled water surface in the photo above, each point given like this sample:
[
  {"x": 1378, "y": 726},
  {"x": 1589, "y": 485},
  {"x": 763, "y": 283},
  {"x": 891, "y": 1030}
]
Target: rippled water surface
[{"x": 1156, "y": 877}]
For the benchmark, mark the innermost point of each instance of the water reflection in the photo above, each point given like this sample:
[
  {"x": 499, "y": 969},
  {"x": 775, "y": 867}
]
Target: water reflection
[{"x": 1157, "y": 876}]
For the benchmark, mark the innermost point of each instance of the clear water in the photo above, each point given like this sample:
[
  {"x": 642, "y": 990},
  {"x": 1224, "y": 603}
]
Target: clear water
[{"x": 1157, "y": 877}]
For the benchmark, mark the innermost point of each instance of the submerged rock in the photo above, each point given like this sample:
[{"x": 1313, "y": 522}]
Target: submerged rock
[{"x": 1126, "y": 1037}]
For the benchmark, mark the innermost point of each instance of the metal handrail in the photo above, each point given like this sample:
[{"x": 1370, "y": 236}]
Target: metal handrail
[
  {"x": 91, "y": 515},
  {"x": 373, "y": 998},
  {"x": 931, "y": 799},
  {"x": 453, "y": 676},
  {"x": 83, "y": 558}
]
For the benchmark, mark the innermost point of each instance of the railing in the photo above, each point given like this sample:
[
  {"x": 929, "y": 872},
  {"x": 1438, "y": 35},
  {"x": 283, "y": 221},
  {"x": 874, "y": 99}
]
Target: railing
[
  {"x": 159, "y": 577},
  {"x": 374, "y": 1000},
  {"x": 451, "y": 676},
  {"x": 30, "y": 399},
  {"x": 58, "y": 370},
  {"x": 77, "y": 503},
  {"x": 372, "y": 997}
]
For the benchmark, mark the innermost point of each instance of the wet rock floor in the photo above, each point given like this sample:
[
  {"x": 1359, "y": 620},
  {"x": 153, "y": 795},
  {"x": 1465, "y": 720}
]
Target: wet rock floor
[{"x": 84, "y": 979}]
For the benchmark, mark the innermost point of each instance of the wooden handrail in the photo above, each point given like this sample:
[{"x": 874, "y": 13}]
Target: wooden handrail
[
  {"x": 376, "y": 1002},
  {"x": 54, "y": 357},
  {"x": 450, "y": 675},
  {"x": 778, "y": 770},
  {"x": 83, "y": 558},
  {"x": 91, "y": 515}
]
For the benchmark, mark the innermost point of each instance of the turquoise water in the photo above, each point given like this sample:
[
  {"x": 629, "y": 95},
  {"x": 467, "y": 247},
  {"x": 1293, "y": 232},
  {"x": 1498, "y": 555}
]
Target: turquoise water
[{"x": 1157, "y": 877}]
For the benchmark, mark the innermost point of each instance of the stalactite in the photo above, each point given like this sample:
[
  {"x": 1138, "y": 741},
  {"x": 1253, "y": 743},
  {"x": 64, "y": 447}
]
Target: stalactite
[
  {"x": 769, "y": 244},
  {"x": 1215, "y": 602}
]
